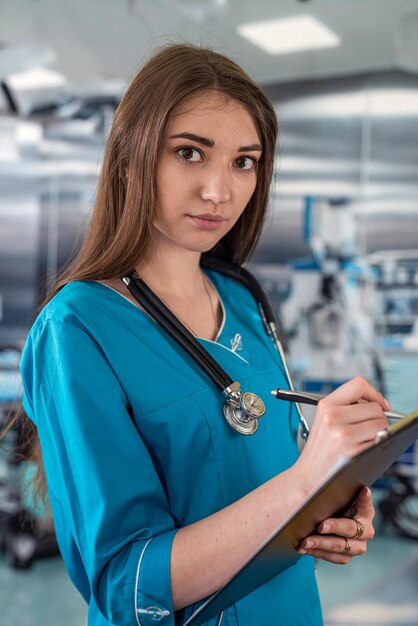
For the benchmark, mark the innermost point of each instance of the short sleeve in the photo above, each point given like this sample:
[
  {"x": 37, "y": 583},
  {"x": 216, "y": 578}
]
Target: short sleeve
[{"x": 100, "y": 475}]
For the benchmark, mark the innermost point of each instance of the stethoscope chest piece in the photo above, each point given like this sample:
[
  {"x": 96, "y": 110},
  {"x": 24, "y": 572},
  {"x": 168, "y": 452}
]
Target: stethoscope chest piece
[{"x": 242, "y": 412}]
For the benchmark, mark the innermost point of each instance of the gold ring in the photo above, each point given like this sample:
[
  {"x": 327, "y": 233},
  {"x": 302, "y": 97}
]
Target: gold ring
[
  {"x": 347, "y": 546},
  {"x": 359, "y": 531}
]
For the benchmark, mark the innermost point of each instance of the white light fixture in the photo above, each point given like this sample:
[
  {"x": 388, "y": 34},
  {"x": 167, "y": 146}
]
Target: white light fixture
[
  {"x": 36, "y": 78},
  {"x": 290, "y": 34},
  {"x": 392, "y": 103}
]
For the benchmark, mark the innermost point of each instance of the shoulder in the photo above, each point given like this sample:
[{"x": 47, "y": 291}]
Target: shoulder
[
  {"x": 88, "y": 310},
  {"x": 74, "y": 300},
  {"x": 78, "y": 304},
  {"x": 76, "y": 317}
]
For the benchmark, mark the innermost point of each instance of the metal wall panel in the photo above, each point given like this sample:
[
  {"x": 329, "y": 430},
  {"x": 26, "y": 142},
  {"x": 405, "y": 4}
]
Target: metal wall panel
[
  {"x": 353, "y": 140},
  {"x": 19, "y": 258}
]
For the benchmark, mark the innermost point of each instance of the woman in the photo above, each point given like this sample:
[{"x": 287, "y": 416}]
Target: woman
[{"x": 156, "y": 500}]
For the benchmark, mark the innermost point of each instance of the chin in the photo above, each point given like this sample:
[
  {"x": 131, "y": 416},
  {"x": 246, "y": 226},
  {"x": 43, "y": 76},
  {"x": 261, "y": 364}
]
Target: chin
[
  {"x": 202, "y": 249},
  {"x": 202, "y": 246}
]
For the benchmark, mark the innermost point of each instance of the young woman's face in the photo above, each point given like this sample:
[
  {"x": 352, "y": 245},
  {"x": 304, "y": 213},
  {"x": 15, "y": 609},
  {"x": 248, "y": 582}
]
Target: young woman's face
[{"x": 207, "y": 172}]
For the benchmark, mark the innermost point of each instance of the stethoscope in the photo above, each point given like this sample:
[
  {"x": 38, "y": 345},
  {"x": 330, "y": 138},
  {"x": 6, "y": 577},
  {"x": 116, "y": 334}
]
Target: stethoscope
[{"x": 241, "y": 409}]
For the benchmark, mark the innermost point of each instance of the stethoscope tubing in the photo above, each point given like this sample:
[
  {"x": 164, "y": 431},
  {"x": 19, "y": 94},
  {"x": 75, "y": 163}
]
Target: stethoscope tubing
[
  {"x": 168, "y": 321},
  {"x": 157, "y": 309},
  {"x": 243, "y": 276}
]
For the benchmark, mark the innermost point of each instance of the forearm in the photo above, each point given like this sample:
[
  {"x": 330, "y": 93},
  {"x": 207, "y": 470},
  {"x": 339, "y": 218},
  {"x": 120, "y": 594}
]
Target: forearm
[{"x": 206, "y": 554}]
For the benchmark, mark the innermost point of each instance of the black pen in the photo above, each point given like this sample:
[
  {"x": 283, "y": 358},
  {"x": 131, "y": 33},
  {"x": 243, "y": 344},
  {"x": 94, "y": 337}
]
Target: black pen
[{"x": 305, "y": 397}]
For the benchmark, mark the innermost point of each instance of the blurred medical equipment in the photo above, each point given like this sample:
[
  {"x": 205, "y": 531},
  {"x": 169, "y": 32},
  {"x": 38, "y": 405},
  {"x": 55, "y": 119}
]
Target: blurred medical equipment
[
  {"x": 347, "y": 313},
  {"x": 397, "y": 333},
  {"x": 327, "y": 305},
  {"x": 399, "y": 506},
  {"x": 25, "y": 532}
]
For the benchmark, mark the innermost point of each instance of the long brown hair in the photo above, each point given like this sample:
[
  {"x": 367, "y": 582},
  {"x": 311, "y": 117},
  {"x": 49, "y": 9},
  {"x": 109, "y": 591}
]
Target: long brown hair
[{"x": 120, "y": 229}]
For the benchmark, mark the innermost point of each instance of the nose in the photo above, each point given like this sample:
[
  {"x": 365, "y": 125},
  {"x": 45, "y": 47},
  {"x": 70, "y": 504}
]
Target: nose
[{"x": 216, "y": 184}]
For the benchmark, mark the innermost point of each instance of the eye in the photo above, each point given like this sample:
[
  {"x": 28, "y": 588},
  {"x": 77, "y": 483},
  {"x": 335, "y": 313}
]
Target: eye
[
  {"x": 246, "y": 163},
  {"x": 188, "y": 153}
]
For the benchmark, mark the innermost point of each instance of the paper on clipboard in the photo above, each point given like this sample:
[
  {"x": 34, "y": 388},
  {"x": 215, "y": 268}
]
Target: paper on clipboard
[{"x": 330, "y": 498}]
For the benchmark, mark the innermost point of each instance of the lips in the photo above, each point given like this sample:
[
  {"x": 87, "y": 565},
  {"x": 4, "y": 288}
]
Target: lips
[
  {"x": 207, "y": 221},
  {"x": 209, "y": 216}
]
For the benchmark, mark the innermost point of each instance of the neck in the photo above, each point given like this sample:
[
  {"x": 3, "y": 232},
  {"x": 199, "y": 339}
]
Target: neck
[{"x": 176, "y": 274}]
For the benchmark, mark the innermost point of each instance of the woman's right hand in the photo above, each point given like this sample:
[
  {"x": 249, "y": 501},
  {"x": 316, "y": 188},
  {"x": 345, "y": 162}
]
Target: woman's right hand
[{"x": 346, "y": 422}]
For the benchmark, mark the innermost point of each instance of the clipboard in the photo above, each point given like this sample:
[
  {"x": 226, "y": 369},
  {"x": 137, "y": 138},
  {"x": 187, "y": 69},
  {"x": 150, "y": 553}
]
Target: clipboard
[{"x": 329, "y": 499}]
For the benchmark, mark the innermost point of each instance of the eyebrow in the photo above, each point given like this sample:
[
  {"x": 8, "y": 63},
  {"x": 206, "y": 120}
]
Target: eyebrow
[{"x": 210, "y": 143}]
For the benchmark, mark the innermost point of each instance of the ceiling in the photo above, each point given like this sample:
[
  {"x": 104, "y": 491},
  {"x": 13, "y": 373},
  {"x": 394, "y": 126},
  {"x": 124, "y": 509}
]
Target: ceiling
[
  {"x": 341, "y": 138},
  {"x": 91, "y": 41}
]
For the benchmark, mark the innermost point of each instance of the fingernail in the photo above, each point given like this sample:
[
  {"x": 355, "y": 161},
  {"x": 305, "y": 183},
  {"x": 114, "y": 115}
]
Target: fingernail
[
  {"x": 301, "y": 551},
  {"x": 308, "y": 543},
  {"x": 324, "y": 528},
  {"x": 367, "y": 491},
  {"x": 387, "y": 404}
]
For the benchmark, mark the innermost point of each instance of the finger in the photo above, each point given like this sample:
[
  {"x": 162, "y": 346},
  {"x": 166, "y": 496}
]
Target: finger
[
  {"x": 361, "y": 412},
  {"x": 364, "y": 502},
  {"x": 362, "y": 511},
  {"x": 343, "y": 527},
  {"x": 364, "y": 508},
  {"x": 331, "y": 557},
  {"x": 332, "y": 544},
  {"x": 354, "y": 390},
  {"x": 365, "y": 496},
  {"x": 364, "y": 432},
  {"x": 353, "y": 425},
  {"x": 347, "y": 527},
  {"x": 360, "y": 447}
]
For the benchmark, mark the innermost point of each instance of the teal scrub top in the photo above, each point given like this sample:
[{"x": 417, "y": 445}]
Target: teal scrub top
[{"x": 135, "y": 446}]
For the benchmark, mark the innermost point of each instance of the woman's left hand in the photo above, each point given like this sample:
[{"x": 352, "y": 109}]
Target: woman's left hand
[{"x": 342, "y": 538}]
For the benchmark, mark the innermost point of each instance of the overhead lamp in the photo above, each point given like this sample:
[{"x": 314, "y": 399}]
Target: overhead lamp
[
  {"x": 380, "y": 102},
  {"x": 195, "y": 10},
  {"x": 290, "y": 34},
  {"x": 36, "y": 78}
]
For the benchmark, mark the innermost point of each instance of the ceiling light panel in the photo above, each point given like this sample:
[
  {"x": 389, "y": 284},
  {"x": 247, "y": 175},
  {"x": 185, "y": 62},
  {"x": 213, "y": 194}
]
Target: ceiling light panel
[
  {"x": 36, "y": 78},
  {"x": 291, "y": 34}
]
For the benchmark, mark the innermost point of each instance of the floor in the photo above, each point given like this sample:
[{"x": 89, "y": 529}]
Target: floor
[{"x": 380, "y": 588}]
